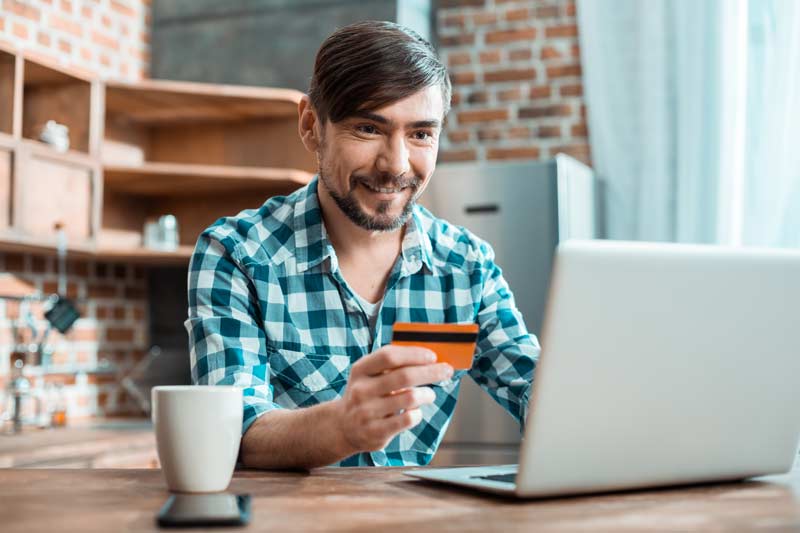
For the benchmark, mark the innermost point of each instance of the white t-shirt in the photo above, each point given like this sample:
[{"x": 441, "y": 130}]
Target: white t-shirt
[{"x": 370, "y": 309}]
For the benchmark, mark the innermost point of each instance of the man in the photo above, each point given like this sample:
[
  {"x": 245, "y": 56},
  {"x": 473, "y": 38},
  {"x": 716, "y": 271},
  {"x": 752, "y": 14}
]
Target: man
[{"x": 295, "y": 302}]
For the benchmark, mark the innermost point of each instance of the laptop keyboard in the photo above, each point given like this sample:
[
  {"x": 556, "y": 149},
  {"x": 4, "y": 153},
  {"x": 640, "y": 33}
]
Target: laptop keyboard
[{"x": 504, "y": 478}]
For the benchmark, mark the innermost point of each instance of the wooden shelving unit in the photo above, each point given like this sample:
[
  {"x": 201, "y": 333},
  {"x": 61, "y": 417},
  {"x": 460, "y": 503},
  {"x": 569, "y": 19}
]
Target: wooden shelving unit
[{"x": 137, "y": 151}]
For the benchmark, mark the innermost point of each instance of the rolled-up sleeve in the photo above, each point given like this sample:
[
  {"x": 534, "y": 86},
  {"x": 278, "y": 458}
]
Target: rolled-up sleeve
[
  {"x": 226, "y": 341},
  {"x": 506, "y": 353}
]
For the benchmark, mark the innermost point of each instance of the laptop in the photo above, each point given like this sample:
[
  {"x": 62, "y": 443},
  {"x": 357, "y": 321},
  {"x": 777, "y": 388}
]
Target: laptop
[{"x": 661, "y": 364}]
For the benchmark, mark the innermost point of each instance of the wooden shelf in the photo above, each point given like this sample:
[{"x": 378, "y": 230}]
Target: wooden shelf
[
  {"x": 181, "y": 179},
  {"x": 160, "y": 102},
  {"x": 138, "y": 151},
  {"x": 180, "y": 256},
  {"x": 16, "y": 243}
]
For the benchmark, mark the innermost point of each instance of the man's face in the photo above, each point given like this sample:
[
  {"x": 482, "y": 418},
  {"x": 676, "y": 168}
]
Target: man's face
[{"x": 376, "y": 164}]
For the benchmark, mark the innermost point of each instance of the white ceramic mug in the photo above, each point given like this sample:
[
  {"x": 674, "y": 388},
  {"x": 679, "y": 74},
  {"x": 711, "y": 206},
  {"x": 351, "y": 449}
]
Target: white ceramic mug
[{"x": 198, "y": 431}]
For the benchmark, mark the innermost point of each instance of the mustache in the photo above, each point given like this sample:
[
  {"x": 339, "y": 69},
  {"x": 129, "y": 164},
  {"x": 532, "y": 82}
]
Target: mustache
[{"x": 387, "y": 181}]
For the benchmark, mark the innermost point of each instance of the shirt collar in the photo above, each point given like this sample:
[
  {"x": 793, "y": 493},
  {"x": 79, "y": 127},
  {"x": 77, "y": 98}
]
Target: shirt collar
[{"x": 312, "y": 245}]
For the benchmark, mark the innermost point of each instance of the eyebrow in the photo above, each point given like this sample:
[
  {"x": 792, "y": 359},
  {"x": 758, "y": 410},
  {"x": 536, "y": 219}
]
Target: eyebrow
[{"x": 380, "y": 119}]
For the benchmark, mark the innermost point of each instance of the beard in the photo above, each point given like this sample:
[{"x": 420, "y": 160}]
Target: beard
[{"x": 382, "y": 220}]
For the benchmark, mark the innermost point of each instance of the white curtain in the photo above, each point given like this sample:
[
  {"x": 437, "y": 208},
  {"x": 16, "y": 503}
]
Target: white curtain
[{"x": 694, "y": 117}]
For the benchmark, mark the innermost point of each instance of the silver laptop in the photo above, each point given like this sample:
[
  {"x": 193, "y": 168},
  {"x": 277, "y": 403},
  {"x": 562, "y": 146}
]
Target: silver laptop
[{"x": 661, "y": 364}]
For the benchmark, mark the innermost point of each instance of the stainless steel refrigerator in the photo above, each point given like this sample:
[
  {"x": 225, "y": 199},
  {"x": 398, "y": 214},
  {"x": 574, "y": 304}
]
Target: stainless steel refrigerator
[{"x": 523, "y": 209}]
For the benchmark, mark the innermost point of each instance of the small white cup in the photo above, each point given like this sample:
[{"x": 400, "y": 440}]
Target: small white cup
[{"x": 198, "y": 431}]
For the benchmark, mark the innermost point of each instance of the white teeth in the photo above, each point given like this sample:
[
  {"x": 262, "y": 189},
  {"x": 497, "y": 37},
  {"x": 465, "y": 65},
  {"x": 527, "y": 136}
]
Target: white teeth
[{"x": 382, "y": 189}]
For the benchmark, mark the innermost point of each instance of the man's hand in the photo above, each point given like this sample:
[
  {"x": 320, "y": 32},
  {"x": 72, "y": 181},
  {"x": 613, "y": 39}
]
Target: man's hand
[{"x": 383, "y": 395}]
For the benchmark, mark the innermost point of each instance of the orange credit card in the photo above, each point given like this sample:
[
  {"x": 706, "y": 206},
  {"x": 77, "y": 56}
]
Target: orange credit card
[{"x": 453, "y": 343}]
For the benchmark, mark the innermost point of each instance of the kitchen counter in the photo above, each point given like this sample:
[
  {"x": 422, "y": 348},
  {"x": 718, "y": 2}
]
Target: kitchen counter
[
  {"x": 95, "y": 443},
  {"x": 383, "y": 499}
]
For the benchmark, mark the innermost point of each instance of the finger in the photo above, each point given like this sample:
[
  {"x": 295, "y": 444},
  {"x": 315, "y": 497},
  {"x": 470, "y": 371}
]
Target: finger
[
  {"x": 408, "y": 377},
  {"x": 406, "y": 400},
  {"x": 390, "y": 357},
  {"x": 391, "y": 426}
]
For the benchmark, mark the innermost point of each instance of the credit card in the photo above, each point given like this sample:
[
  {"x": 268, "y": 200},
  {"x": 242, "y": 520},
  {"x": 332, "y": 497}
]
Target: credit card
[{"x": 453, "y": 343}]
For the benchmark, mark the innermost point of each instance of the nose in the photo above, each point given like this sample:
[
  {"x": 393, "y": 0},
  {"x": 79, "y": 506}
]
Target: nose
[{"x": 393, "y": 158}]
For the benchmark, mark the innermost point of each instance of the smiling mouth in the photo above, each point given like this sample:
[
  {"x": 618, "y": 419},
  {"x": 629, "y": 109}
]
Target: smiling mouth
[{"x": 384, "y": 190}]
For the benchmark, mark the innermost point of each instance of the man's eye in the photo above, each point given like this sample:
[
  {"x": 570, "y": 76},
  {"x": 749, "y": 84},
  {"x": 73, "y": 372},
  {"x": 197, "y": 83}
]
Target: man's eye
[
  {"x": 367, "y": 128},
  {"x": 422, "y": 135}
]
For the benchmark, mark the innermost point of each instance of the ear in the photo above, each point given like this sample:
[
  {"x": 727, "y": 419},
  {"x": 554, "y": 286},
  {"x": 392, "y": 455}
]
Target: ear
[{"x": 307, "y": 124}]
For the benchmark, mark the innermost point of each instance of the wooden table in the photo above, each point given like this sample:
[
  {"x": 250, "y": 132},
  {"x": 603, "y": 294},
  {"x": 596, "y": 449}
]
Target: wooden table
[{"x": 383, "y": 499}]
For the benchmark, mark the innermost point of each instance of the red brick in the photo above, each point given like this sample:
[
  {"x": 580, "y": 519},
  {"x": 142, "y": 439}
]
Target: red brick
[
  {"x": 22, "y": 9},
  {"x": 575, "y": 89},
  {"x": 119, "y": 334},
  {"x": 87, "y": 13},
  {"x": 462, "y": 78},
  {"x": 489, "y": 134},
  {"x": 64, "y": 46},
  {"x": 458, "y": 58},
  {"x": 104, "y": 290},
  {"x": 78, "y": 268},
  {"x": 563, "y": 71},
  {"x": 580, "y": 130},
  {"x": 453, "y": 21},
  {"x": 556, "y": 110},
  {"x": 19, "y": 30},
  {"x": 120, "y": 271},
  {"x": 517, "y": 14},
  {"x": 106, "y": 21},
  {"x": 14, "y": 262},
  {"x": 478, "y": 97},
  {"x": 571, "y": 11},
  {"x": 511, "y": 74},
  {"x": 549, "y": 131},
  {"x": 455, "y": 98},
  {"x": 540, "y": 92},
  {"x": 449, "y": 156},
  {"x": 519, "y": 132},
  {"x": 86, "y": 53},
  {"x": 66, "y": 6},
  {"x": 60, "y": 23},
  {"x": 489, "y": 57},
  {"x": 483, "y": 19},
  {"x": 122, "y": 9},
  {"x": 458, "y": 136},
  {"x": 507, "y": 95},
  {"x": 550, "y": 52},
  {"x": 575, "y": 50},
  {"x": 51, "y": 287},
  {"x": 457, "y": 40},
  {"x": 2, "y": 23},
  {"x": 578, "y": 151},
  {"x": 546, "y": 12},
  {"x": 564, "y": 30},
  {"x": 102, "y": 39},
  {"x": 482, "y": 115},
  {"x": 520, "y": 54},
  {"x": 40, "y": 264},
  {"x": 506, "y": 36},
  {"x": 102, "y": 312},
  {"x": 119, "y": 313},
  {"x": 531, "y": 152},
  {"x": 138, "y": 313}
]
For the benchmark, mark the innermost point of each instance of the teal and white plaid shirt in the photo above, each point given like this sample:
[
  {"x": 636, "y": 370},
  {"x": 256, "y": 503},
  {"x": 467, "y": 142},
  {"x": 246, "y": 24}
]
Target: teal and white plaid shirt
[{"x": 269, "y": 311}]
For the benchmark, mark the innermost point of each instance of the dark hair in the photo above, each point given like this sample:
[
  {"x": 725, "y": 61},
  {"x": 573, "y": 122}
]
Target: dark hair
[{"x": 367, "y": 65}]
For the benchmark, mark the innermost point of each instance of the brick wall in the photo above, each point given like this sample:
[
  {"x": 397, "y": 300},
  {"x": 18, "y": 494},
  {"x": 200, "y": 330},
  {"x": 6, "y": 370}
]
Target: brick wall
[
  {"x": 516, "y": 73},
  {"x": 109, "y": 38},
  {"x": 104, "y": 344}
]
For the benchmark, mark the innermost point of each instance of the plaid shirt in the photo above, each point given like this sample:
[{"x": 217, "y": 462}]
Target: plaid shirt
[{"x": 269, "y": 311}]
